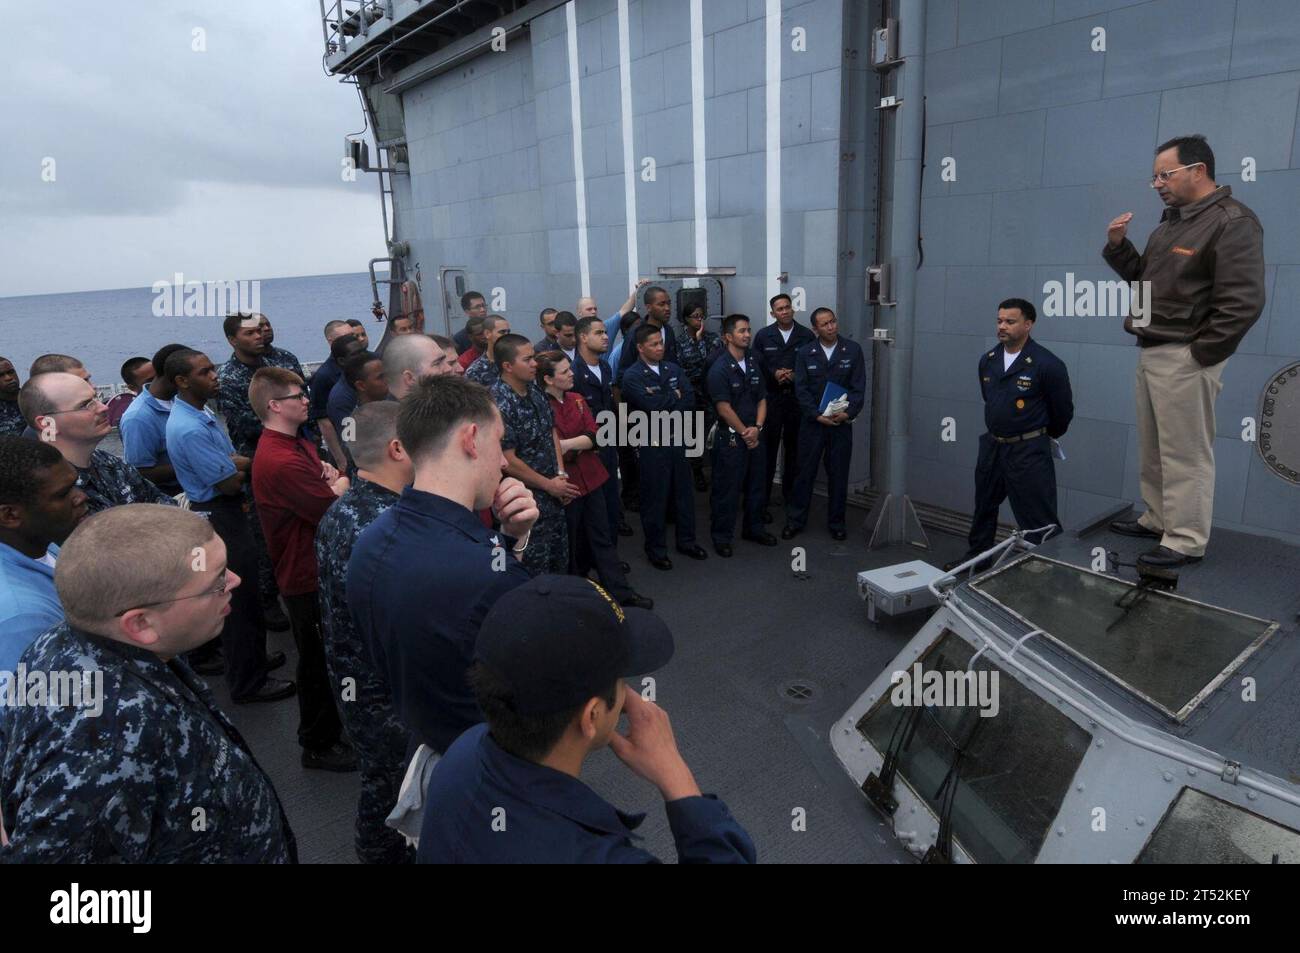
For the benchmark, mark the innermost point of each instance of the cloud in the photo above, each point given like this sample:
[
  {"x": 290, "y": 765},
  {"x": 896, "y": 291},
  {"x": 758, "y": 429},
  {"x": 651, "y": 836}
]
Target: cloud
[{"x": 137, "y": 122}]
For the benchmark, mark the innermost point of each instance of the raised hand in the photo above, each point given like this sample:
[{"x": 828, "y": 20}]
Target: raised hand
[
  {"x": 515, "y": 508},
  {"x": 1118, "y": 229},
  {"x": 650, "y": 749}
]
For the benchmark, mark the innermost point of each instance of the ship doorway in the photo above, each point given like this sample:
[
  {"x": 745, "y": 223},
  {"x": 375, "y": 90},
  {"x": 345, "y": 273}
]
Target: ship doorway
[{"x": 451, "y": 281}]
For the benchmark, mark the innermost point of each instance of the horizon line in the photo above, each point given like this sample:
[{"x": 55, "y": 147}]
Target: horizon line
[{"x": 149, "y": 287}]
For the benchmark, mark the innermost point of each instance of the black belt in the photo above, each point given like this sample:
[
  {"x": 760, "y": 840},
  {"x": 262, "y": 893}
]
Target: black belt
[{"x": 1024, "y": 436}]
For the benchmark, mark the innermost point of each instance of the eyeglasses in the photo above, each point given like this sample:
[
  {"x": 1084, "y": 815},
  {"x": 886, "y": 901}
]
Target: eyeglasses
[
  {"x": 219, "y": 591},
  {"x": 301, "y": 395},
  {"x": 84, "y": 405},
  {"x": 1168, "y": 173}
]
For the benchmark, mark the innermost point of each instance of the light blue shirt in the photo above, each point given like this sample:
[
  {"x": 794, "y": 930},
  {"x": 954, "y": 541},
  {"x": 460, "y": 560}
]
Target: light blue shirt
[
  {"x": 144, "y": 431},
  {"x": 28, "y": 603},
  {"x": 615, "y": 344},
  {"x": 200, "y": 451}
]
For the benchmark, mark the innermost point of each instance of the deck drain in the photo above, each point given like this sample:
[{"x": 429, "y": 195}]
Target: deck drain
[{"x": 800, "y": 691}]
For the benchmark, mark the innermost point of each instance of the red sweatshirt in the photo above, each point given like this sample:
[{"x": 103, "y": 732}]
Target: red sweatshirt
[{"x": 292, "y": 496}]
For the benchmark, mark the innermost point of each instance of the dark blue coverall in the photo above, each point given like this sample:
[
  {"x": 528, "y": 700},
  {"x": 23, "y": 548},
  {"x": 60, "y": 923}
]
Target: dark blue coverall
[
  {"x": 737, "y": 470},
  {"x": 782, "y": 430},
  {"x": 1024, "y": 406},
  {"x": 834, "y": 444},
  {"x": 664, "y": 470}
]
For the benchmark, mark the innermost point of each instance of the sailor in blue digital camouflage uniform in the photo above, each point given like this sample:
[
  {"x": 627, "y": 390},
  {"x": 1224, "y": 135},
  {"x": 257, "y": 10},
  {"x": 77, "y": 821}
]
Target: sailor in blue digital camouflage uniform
[
  {"x": 533, "y": 451},
  {"x": 737, "y": 390},
  {"x": 276, "y": 356},
  {"x": 130, "y": 758},
  {"x": 825, "y": 433},
  {"x": 484, "y": 369},
  {"x": 12, "y": 423},
  {"x": 1027, "y": 405},
  {"x": 251, "y": 349},
  {"x": 365, "y": 702},
  {"x": 697, "y": 346},
  {"x": 550, "y": 661},
  {"x": 66, "y": 414},
  {"x": 250, "y": 337},
  {"x": 651, "y": 385}
]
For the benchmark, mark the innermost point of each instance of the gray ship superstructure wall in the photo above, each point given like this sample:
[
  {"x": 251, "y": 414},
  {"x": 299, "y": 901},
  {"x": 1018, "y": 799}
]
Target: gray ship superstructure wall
[
  {"x": 493, "y": 184},
  {"x": 1051, "y": 140},
  {"x": 1048, "y": 135}
]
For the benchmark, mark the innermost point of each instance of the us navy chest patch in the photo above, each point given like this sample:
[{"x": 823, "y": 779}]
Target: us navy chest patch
[{"x": 1024, "y": 382}]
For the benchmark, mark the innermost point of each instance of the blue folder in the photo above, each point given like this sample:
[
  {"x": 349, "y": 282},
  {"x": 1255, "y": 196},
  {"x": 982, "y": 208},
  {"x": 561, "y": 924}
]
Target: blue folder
[{"x": 832, "y": 392}]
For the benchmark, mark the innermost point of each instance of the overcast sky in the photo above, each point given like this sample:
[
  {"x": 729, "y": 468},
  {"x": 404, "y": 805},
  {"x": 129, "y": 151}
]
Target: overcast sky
[{"x": 223, "y": 164}]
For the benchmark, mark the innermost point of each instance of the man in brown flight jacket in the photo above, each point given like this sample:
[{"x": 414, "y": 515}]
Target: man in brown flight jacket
[{"x": 1205, "y": 265}]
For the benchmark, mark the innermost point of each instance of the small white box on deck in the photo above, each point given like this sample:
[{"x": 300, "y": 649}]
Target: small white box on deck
[{"x": 896, "y": 589}]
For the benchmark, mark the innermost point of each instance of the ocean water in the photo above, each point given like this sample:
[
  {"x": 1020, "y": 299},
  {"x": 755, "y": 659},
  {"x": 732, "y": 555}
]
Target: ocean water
[{"x": 104, "y": 328}]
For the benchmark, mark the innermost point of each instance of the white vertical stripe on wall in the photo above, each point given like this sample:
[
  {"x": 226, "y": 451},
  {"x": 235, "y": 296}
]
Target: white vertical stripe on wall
[
  {"x": 697, "y": 136},
  {"x": 773, "y": 164},
  {"x": 579, "y": 175},
  {"x": 629, "y": 159}
]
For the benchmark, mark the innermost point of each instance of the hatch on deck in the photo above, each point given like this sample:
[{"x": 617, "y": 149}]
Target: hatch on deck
[{"x": 1166, "y": 649}]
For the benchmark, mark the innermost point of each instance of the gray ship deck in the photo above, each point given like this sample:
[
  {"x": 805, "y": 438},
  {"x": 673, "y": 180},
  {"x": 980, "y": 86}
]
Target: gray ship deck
[
  {"x": 765, "y": 752},
  {"x": 745, "y": 628}
]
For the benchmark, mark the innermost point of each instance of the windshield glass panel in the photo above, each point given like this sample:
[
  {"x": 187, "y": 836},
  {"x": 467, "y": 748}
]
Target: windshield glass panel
[
  {"x": 1166, "y": 648},
  {"x": 1200, "y": 829},
  {"x": 1016, "y": 762}
]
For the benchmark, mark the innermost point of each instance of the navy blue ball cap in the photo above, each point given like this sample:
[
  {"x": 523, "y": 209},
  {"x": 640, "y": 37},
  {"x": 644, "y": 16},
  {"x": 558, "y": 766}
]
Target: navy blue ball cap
[{"x": 558, "y": 641}]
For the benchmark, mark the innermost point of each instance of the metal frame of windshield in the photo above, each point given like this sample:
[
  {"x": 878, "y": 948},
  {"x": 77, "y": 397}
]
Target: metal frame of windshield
[
  {"x": 1182, "y": 714},
  {"x": 901, "y": 778}
]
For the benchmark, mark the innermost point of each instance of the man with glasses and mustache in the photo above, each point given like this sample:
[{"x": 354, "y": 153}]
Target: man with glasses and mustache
[
  {"x": 65, "y": 413},
  {"x": 143, "y": 766},
  {"x": 293, "y": 490},
  {"x": 1205, "y": 267}
]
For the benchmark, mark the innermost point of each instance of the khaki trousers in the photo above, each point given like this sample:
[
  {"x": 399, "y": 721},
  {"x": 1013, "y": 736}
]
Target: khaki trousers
[{"x": 1175, "y": 431}]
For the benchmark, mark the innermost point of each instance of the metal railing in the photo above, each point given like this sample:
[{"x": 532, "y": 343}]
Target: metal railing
[
  {"x": 106, "y": 392},
  {"x": 345, "y": 19}
]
